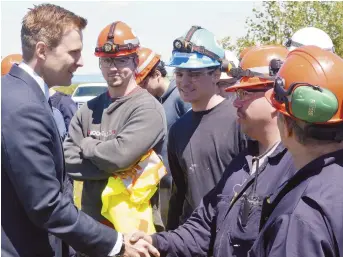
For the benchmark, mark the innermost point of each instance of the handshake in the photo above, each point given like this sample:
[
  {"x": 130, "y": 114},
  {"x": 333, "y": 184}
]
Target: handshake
[{"x": 139, "y": 244}]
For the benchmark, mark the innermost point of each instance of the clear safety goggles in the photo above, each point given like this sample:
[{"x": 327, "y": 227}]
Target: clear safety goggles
[{"x": 119, "y": 62}]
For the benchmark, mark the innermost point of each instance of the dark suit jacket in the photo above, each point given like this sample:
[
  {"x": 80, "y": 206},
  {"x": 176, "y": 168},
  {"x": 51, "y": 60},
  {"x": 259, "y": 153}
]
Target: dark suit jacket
[{"x": 35, "y": 203}]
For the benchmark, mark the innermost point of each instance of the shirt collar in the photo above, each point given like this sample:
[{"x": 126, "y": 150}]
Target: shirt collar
[{"x": 44, "y": 87}]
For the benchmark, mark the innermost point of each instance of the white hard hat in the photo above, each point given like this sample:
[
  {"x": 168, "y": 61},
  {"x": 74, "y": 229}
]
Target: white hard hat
[
  {"x": 231, "y": 57},
  {"x": 310, "y": 36}
]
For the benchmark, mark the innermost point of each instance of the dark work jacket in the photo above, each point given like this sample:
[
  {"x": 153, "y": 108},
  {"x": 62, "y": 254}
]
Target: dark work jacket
[
  {"x": 213, "y": 229},
  {"x": 308, "y": 221}
]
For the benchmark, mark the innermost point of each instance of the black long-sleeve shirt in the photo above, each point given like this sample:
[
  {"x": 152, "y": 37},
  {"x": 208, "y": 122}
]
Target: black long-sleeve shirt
[{"x": 200, "y": 146}]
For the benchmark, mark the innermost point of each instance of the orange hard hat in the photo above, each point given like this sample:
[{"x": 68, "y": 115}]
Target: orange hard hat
[
  {"x": 258, "y": 60},
  {"x": 148, "y": 59},
  {"x": 309, "y": 86},
  {"x": 8, "y": 61},
  {"x": 116, "y": 39},
  {"x": 244, "y": 51}
]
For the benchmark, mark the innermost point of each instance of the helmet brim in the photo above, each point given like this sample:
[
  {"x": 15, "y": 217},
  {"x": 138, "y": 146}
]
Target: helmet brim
[
  {"x": 247, "y": 85},
  {"x": 191, "y": 61}
]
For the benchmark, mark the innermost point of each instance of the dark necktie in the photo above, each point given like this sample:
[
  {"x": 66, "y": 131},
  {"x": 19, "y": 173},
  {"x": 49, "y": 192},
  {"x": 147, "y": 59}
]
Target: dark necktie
[{"x": 49, "y": 101}]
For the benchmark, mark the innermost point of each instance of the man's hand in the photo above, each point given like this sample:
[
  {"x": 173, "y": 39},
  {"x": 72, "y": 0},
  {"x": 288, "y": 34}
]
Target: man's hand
[
  {"x": 139, "y": 244},
  {"x": 126, "y": 174},
  {"x": 132, "y": 172},
  {"x": 136, "y": 236}
]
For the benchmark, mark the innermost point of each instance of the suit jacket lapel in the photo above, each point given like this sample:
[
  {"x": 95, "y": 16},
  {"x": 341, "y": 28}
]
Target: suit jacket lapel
[{"x": 31, "y": 83}]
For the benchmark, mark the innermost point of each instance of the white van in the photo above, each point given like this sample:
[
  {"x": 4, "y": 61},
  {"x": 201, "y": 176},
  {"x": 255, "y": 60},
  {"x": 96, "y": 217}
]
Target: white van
[{"x": 87, "y": 91}]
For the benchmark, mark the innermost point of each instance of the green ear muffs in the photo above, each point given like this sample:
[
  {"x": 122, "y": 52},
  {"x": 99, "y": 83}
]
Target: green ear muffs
[
  {"x": 306, "y": 102},
  {"x": 313, "y": 105}
]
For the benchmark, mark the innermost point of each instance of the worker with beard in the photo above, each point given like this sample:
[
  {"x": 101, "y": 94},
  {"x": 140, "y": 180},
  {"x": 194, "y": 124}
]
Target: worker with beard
[{"x": 110, "y": 133}]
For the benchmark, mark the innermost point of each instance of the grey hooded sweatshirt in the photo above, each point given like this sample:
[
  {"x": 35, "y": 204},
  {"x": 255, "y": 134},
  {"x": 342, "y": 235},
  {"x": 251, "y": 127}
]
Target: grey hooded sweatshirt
[{"x": 107, "y": 136}]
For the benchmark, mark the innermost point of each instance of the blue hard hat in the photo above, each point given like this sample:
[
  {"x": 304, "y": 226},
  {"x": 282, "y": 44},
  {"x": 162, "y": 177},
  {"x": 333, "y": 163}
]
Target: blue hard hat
[{"x": 195, "y": 60}]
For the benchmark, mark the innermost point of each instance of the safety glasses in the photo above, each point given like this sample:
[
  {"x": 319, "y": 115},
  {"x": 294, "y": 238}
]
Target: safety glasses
[
  {"x": 192, "y": 74},
  {"x": 107, "y": 62},
  {"x": 245, "y": 94}
]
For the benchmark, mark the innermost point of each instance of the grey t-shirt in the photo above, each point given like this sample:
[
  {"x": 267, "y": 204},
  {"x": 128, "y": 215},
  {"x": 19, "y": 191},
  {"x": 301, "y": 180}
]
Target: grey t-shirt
[{"x": 200, "y": 146}]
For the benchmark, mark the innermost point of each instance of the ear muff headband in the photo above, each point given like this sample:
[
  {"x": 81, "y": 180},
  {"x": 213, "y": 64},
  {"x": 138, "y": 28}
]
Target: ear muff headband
[{"x": 306, "y": 102}]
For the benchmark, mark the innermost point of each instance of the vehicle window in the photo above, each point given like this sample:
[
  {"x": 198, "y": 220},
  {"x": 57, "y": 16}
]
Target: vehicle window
[{"x": 90, "y": 91}]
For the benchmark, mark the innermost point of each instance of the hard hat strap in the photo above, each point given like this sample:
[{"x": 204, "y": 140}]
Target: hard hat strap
[
  {"x": 295, "y": 44},
  {"x": 110, "y": 47},
  {"x": 291, "y": 42},
  {"x": 191, "y": 32},
  {"x": 238, "y": 73},
  {"x": 110, "y": 36},
  {"x": 185, "y": 45}
]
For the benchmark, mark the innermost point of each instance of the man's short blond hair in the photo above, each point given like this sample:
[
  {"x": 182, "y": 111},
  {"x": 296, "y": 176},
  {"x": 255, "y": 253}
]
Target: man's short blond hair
[{"x": 47, "y": 23}]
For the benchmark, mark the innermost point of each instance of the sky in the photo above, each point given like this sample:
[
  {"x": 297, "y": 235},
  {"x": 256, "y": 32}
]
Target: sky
[{"x": 156, "y": 23}]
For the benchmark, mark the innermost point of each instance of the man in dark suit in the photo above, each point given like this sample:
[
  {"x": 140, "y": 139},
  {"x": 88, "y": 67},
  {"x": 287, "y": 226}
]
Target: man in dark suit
[{"x": 36, "y": 208}]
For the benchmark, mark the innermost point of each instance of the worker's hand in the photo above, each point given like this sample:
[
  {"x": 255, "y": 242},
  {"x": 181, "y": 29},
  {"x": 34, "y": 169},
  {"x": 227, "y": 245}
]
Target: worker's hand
[
  {"x": 140, "y": 235},
  {"x": 139, "y": 247},
  {"x": 126, "y": 174},
  {"x": 130, "y": 173}
]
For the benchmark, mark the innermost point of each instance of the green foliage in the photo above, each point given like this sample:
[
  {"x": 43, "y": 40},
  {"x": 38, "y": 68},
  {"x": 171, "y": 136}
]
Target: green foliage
[
  {"x": 67, "y": 90},
  {"x": 276, "y": 21},
  {"x": 227, "y": 44}
]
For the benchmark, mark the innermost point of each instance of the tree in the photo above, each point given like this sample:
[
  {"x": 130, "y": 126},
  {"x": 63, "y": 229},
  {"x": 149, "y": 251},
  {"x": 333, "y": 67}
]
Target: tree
[
  {"x": 227, "y": 44},
  {"x": 276, "y": 21}
]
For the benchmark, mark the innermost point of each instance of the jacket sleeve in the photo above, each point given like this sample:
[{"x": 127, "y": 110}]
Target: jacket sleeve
[
  {"x": 27, "y": 151},
  {"x": 196, "y": 236},
  {"x": 293, "y": 236},
  {"x": 179, "y": 185},
  {"x": 68, "y": 109},
  {"x": 143, "y": 130},
  {"x": 77, "y": 167}
]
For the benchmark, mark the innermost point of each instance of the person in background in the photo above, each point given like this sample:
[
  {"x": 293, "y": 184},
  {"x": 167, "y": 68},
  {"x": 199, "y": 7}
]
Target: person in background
[
  {"x": 226, "y": 80},
  {"x": 64, "y": 104},
  {"x": 8, "y": 61},
  {"x": 310, "y": 36}
]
